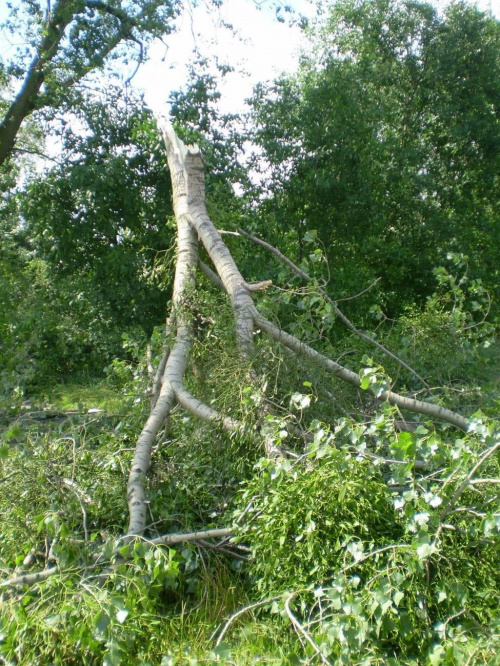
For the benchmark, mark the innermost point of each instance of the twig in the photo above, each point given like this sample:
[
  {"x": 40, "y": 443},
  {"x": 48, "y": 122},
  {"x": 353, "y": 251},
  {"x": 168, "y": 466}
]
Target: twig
[
  {"x": 219, "y": 547},
  {"x": 465, "y": 509},
  {"x": 171, "y": 539},
  {"x": 449, "y": 506},
  {"x": 239, "y": 612},
  {"x": 140, "y": 59},
  {"x": 351, "y": 298},
  {"x": 299, "y": 628},
  {"x": 394, "y": 546},
  {"x": 417, "y": 464},
  {"x": 485, "y": 316},
  {"x": 248, "y": 508}
]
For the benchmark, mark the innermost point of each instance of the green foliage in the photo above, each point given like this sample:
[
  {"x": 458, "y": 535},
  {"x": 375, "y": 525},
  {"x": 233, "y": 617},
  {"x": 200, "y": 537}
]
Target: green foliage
[
  {"x": 310, "y": 514},
  {"x": 72, "y": 503},
  {"x": 410, "y": 578},
  {"x": 350, "y": 537},
  {"x": 102, "y": 212},
  {"x": 85, "y": 248},
  {"x": 386, "y": 143},
  {"x": 49, "y": 328},
  {"x": 372, "y": 541},
  {"x": 447, "y": 338}
]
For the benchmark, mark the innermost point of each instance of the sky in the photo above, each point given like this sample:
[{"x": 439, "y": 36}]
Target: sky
[
  {"x": 259, "y": 45},
  {"x": 260, "y": 48},
  {"x": 263, "y": 47}
]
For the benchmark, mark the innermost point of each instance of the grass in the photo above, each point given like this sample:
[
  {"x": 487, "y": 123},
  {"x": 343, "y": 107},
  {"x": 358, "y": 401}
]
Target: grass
[
  {"x": 82, "y": 397},
  {"x": 183, "y": 633},
  {"x": 52, "y": 437}
]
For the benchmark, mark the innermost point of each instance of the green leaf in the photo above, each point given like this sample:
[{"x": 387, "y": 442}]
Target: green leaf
[
  {"x": 101, "y": 622},
  {"x": 425, "y": 550},
  {"x": 310, "y": 236},
  {"x": 398, "y": 597},
  {"x": 441, "y": 596},
  {"x": 365, "y": 382},
  {"x": 437, "y": 655}
]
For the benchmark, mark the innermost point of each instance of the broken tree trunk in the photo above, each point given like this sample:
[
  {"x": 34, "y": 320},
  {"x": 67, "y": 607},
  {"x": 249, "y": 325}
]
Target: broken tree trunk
[{"x": 194, "y": 225}]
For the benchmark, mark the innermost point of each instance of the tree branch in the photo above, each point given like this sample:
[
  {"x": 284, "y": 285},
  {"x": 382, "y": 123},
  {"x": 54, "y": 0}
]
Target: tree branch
[
  {"x": 30, "y": 578},
  {"x": 186, "y": 167},
  {"x": 467, "y": 481},
  {"x": 241, "y": 611},
  {"x": 172, "y": 539},
  {"x": 410, "y": 404},
  {"x": 187, "y": 260},
  {"x": 336, "y": 309},
  {"x": 302, "y": 632}
]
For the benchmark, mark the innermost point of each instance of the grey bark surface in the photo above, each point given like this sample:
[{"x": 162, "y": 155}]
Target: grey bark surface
[{"x": 187, "y": 260}]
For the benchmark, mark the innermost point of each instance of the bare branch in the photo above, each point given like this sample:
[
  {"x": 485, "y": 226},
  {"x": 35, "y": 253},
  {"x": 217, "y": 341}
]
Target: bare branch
[
  {"x": 241, "y": 611},
  {"x": 172, "y": 539},
  {"x": 206, "y": 413},
  {"x": 187, "y": 260},
  {"x": 329, "y": 300},
  {"x": 410, "y": 404},
  {"x": 299, "y": 628},
  {"x": 259, "y": 286},
  {"x": 213, "y": 277},
  {"x": 30, "y": 578},
  {"x": 352, "y": 298}
]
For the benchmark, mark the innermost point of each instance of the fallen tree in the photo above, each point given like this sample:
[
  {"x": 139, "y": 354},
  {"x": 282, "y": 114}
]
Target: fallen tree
[
  {"x": 413, "y": 465},
  {"x": 186, "y": 166}
]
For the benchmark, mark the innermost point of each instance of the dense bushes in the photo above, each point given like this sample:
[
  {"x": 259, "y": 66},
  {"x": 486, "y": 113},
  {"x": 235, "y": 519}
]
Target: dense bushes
[{"x": 369, "y": 573}]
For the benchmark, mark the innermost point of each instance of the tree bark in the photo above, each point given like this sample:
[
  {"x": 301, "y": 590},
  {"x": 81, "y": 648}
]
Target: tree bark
[
  {"x": 187, "y": 260},
  {"x": 188, "y": 166}
]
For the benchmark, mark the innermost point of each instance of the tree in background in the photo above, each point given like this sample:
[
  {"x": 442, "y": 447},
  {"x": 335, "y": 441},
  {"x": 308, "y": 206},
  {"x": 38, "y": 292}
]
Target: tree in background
[
  {"x": 387, "y": 143},
  {"x": 69, "y": 39},
  {"x": 92, "y": 235}
]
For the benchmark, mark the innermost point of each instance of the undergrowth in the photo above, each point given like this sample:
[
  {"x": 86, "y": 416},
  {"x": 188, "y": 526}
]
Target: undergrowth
[{"x": 366, "y": 545}]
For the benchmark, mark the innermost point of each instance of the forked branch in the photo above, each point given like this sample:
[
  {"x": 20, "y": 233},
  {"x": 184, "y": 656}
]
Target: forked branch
[{"x": 194, "y": 225}]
